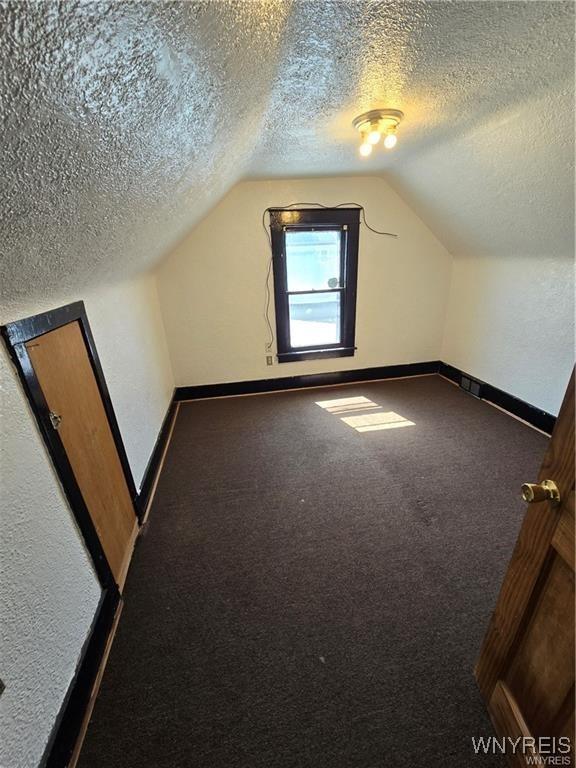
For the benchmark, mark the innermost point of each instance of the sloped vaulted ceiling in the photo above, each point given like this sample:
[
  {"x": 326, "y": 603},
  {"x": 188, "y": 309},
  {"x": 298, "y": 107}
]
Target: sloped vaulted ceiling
[{"x": 123, "y": 123}]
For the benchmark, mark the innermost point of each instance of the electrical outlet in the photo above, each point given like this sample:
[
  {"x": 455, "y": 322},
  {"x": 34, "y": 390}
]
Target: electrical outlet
[{"x": 269, "y": 360}]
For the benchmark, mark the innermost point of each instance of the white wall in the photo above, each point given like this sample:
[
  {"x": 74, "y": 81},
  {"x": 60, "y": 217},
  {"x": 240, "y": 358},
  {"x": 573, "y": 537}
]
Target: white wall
[
  {"x": 129, "y": 333},
  {"x": 510, "y": 322},
  {"x": 48, "y": 589},
  {"x": 212, "y": 286}
]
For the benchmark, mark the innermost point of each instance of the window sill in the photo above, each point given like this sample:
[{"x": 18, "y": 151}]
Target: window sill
[{"x": 315, "y": 354}]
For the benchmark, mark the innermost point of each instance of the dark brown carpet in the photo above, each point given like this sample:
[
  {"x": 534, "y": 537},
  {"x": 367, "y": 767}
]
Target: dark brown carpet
[{"x": 309, "y": 596}]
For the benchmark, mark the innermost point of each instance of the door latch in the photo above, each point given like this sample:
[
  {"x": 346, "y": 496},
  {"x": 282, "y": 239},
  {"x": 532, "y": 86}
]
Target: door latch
[
  {"x": 547, "y": 490},
  {"x": 55, "y": 420}
]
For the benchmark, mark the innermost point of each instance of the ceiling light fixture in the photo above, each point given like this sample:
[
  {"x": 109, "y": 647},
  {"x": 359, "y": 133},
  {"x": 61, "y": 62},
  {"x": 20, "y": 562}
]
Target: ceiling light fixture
[{"x": 375, "y": 124}]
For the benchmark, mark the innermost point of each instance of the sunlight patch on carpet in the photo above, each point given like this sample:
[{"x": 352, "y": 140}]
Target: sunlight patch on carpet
[
  {"x": 372, "y": 422},
  {"x": 344, "y": 404}
]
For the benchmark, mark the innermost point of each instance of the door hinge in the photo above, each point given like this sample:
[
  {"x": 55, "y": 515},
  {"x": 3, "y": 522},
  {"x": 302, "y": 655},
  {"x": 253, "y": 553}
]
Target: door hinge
[{"x": 55, "y": 419}]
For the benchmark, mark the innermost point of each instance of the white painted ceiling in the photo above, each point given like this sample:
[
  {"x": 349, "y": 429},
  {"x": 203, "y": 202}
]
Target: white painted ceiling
[{"x": 124, "y": 123}]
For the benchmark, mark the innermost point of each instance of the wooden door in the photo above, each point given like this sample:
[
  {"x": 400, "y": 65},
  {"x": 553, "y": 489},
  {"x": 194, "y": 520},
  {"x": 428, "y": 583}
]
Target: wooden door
[
  {"x": 62, "y": 366},
  {"x": 526, "y": 666}
]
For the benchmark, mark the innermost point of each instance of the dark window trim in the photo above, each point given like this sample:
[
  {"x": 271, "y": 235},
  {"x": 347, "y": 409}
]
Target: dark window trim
[
  {"x": 282, "y": 219},
  {"x": 315, "y": 354}
]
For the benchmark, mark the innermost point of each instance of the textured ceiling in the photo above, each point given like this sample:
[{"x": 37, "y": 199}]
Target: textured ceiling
[{"x": 123, "y": 123}]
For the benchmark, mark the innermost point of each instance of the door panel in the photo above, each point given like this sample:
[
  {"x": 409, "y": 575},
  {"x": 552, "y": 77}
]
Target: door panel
[
  {"x": 526, "y": 665},
  {"x": 537, "y": 676},
  {"x": 62, "y": 366}
]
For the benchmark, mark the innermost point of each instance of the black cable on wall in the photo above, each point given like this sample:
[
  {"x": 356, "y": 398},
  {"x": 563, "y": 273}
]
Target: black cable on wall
[{"x": 267, "y": 233}]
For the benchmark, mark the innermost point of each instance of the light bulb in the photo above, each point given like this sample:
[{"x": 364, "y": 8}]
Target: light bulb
[
  {"x": 390, "y": 141},
  {"x": 374, "y": 136},
  {"x": 365, "y": 149}
]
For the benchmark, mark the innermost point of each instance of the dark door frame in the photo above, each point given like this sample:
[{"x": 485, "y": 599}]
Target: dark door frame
[{"x": 69, "y": 722}]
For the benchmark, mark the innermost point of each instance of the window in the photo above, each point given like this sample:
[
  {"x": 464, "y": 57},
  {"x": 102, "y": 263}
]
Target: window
[{"x": 315, "y": 260}]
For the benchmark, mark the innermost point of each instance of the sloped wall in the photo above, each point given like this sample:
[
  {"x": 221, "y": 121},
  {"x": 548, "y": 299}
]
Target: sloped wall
[
  {"x": 48, "y": 589},
  {"x": 212, "y": 287}
]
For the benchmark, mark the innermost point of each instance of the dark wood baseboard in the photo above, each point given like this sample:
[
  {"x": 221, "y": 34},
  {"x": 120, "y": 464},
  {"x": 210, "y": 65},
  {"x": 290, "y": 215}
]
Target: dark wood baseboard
[
  {"x": 523, "y": 410},
  {"x": 63, "y": 747},
  {"x": 95, "y": 689},
  {"x": 306, "y": 380},
  {"x": 529, "y": 413},
  {"x": 68, "y": 725},
  {"x": 143, "y": 497}
]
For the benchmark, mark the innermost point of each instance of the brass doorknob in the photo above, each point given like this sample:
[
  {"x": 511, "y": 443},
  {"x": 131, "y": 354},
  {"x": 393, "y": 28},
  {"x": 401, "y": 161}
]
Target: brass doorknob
[{"x": 547, "y": 490}]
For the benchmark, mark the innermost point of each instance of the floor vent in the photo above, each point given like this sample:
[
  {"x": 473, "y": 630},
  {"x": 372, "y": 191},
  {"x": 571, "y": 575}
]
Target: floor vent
[{"x": 471, "y": 385}]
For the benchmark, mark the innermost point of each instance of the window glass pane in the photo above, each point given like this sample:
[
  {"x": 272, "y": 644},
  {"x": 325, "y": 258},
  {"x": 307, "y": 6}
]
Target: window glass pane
[
  {"x": 313, "y": 259},
  {"x": 314, "y": 319}
]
